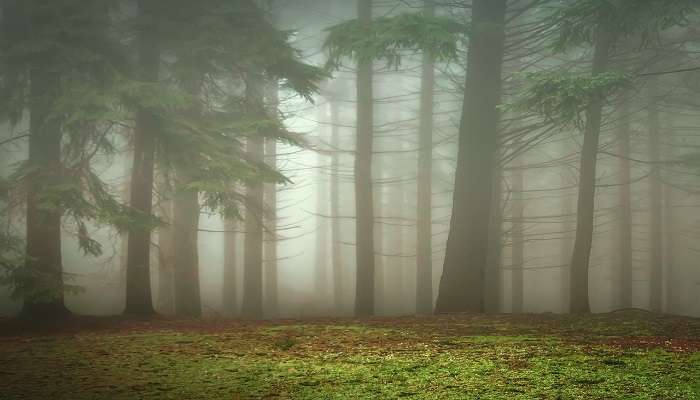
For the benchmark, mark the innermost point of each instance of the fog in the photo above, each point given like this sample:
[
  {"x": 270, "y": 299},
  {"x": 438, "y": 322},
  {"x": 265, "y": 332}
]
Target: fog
[{"x": 646, "y": 204}]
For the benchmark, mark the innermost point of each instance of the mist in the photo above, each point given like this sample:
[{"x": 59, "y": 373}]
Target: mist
[{"x": 469, "y": 199}]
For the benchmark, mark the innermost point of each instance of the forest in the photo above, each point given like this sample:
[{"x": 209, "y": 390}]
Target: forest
[{"x": 343, "y": 199}]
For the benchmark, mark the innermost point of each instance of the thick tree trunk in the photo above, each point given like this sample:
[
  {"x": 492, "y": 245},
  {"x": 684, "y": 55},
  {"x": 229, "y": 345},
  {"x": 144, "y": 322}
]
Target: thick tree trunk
[
  {"x": 252, "y": 307},
  {"x": 337, "y": 256},
  {"x": 462, "y": 282},
  {"x": 166, "y": 254},
  {"x": 186, "y": 262},
  {"x": 518, "y": 239},
  {"x": 625, "y": 205},
  {"x": 424, "y": 235},
  {"x": 364, "y": 213},
  {"x": 270, "y": 197},
  {"x": 656, "y": 204},
  {"x": 230, "y": 303},
  {"x": 578, "y": 298},
  {"x": 138, "y": 273},
  {"x": 43, "y": 223}
]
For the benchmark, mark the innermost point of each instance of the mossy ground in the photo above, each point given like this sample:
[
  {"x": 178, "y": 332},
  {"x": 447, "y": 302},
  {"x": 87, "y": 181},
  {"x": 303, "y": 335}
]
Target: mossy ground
[{"x": 615, "y": 356}]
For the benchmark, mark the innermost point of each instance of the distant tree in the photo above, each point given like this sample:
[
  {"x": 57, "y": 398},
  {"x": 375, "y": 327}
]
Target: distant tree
[{"x": 581, "y": 99}]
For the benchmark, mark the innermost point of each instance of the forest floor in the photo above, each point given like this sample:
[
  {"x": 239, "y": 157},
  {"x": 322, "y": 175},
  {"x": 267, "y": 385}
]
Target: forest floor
[{"x": 626, "y": 355}]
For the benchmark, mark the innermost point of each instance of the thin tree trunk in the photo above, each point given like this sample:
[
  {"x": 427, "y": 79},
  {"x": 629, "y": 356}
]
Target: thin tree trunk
[
  {"x": 381, "y": 295},
  {"x": 424, "y": 235},
  {"x": 43, "y": 246},
  {"x": 321, "y": 262},
  {"x": 673, "y": 298},
  {"x": 185, "y": 232},
  {"x": 567, "y": 211},
  {"x": 462, "y": 282},
  {"x": 337, "y": 255},
  {"x": 230, "y": 303},
  {"x": 186, "y": 226},
  {"x": 625, "y": 204},
  {"x": 518, "y": 239},
  {"x": 364, "y": 243},
  {"x": 166, "y": 254},
  {"x": 579, "y": 301},
  {"x": 656, "y": 204},
  {"x": 252, "y": 307},
  {"x": 270, "y": 197},
  {"x": 494, "y": 264},
  {"x": 138, "y": 273}
]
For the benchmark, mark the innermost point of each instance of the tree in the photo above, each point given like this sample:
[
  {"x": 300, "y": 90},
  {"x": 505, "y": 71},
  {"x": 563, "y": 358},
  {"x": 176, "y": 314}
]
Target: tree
[
  {"x": 424, "y": 236},
  {"x": 364, "y": 206},
  {"x": 582, "y": 99},
  {"x": 625, "y": 204},
  {"x": 138, "y": 271},
  {"x": 252, "y": 306},
  {"x": 60, "y": 64},
  {"x": 461, "y": 285}
]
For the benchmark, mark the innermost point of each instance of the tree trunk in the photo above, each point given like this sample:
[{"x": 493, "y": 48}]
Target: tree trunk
[
  {"x": 43, "y": 223},
  {"x": 138, "y": 273},
  {"x": 518, "y": 239},
  {"x": 674, "y": 276},
  {"x": 462, "y": 282},
  {"x": 321, "y": 262},
  {"x": 424, "y": 235},
  {"x": 364, "y": 213},
  {"x": 567, "y": 211},
  {"x": 578, "y": 298},
  {"x": 625, "y": 204},
  {"x": 252, "y": 307},
  {"x": 656, "y": 204},
  {"x": 230, "y": 303},
  {"x": 166, "y": 254},
  {"x": 337, "y": 255},
  {"x": 494, "y": 264},
  {"x": 185, "y": 232},
  {"x": 270, "y": 196}
]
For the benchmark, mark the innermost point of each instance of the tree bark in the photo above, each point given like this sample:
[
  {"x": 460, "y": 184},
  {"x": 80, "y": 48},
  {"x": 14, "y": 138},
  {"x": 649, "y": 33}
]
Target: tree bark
[
  {"x": 424, "y": 235},
  {"x": 578, "y": 298},
  {"x": 364, "y": 213},
  {"x": 656, "y": 204},
  {"x": 138, "y": 273},
  {"x": 462, "y": 282}
]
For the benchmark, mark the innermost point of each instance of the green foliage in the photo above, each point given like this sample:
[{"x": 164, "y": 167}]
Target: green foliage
[
  {"x": 387, "y": 38},
  {"x": 579, "y": 22},
  {"x": 563, "y": 99}
]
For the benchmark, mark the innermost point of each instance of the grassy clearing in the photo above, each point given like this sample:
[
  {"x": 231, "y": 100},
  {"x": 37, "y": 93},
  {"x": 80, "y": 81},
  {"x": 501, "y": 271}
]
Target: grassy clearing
[{"x": 619, "y": 356}]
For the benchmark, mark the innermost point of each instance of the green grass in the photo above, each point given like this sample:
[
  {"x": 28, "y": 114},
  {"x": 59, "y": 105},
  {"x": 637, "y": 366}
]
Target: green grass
[{"x": 631, "y": 356}]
